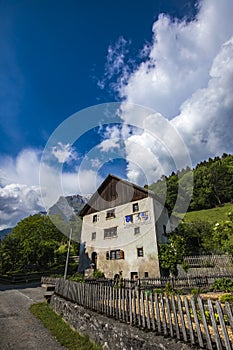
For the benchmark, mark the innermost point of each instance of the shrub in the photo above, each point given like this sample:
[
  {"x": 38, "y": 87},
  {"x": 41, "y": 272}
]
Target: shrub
[
  {"x": 77, "y": 278},
  {"x": 195, "y": 291},
  {"x": 180, "y": 291},
  {"x": 168, "y": 288},
  {"x": 98, "y": 274},
  {"x": 226, "y": 297},
  {"x": 223, "y": 285},
  {"x": 158, "y": 290}
]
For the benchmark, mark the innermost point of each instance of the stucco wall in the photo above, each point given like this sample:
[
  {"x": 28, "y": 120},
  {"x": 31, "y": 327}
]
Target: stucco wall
[{"x": 126, "y": 239}]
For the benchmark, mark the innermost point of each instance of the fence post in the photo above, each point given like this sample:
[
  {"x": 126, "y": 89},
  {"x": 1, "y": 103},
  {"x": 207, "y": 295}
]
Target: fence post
[{"x": 223, "y": 326}]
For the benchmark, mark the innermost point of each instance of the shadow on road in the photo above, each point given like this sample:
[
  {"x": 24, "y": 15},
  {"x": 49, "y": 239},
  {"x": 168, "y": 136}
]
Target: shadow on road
[{"x": 4, "y": 287}]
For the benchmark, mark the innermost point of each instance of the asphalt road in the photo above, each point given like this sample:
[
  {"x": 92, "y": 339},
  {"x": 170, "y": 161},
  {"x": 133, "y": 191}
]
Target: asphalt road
[{"x": 19, "y": 329}]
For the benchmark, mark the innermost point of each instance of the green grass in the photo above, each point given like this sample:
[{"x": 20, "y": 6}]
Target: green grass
[
  {"x": 63, "y": 333},
  {"x": 218, "y": 214}
]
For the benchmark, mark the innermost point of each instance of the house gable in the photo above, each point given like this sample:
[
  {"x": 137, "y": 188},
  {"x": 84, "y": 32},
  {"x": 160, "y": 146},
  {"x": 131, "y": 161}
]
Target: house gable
[{"x": 113, "y": 192}]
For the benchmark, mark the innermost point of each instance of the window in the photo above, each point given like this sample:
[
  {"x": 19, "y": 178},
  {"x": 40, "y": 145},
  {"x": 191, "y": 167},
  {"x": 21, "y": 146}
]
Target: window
[
  {"x": 115, "y": 254},
  {"x": 110, "y": 214},
  {"x": 128, "y": 219},
  {"x": 146, "y": 274},
  {"x": 140, "y": 252},
  {"x": 136, "y": 230},
  {"x": 93, "y": 235},
  {"x": 94, "y": 218},
  {"x": 135, "y": 207},
  {"x": 110, "y": 232},
  {"x": 164, "y": 230}
]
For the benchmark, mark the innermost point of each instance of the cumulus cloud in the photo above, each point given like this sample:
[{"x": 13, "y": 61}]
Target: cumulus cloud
[
  {"x": 22, "y": 192},
  {"x": 17, "y": 201},
  {"x": 187, "y": 76},
  {"x": 64, "y": 153},
  {"x": 112, "y": 138}
]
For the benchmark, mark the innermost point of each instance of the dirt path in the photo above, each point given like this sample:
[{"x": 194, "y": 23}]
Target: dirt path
[{"x": 19, "y": 329}]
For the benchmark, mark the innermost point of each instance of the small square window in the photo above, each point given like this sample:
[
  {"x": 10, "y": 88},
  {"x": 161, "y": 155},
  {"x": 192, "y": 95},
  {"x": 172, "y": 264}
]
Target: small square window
[
  {"x": 94, "y": 218},
  {"x": 146, "y": 274},
  {"x": 93, "y": 235},
  {"x": 135, "y": 207},
  {"x": 164, "y": 230},
  {"x": 110, "y": 214},
  {"x": 136, "y": 230},
  {"x": 140, "y": 252}
]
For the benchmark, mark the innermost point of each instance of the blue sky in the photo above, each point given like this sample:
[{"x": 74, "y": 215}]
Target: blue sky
[
  {"x": 53, "y": 53},
  {"x": 60, "y": 57}
]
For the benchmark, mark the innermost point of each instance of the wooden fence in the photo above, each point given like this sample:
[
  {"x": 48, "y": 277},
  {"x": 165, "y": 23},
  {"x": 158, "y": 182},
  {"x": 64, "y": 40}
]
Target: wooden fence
[
  {"x": 206, "y": 324},
  {"x": 186, "y": 283},
  {"x": 209, "y": 260}
]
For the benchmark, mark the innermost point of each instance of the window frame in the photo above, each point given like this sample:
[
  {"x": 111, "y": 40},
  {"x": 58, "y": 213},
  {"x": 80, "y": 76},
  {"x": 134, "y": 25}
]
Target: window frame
[
  {"x": 110, "y": 214},
  {"x": 135, "y": 207},
  {"x": 93, "y": 235},
  {"x": 94, "y": 218},
  {"x": 140, "y": 252},
  {"x": 116, "y": 254},
  {"x": 110, "y": 232}
]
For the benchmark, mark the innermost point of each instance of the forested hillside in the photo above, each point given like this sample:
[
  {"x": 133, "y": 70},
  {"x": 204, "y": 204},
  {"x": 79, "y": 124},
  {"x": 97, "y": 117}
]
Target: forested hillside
[{"x": 213, "y": 185}]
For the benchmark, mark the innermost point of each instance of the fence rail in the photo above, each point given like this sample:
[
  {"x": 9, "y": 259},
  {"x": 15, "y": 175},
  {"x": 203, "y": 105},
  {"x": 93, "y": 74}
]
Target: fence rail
[
  {"x": 209, "y": 260},
  {"x": 160, "y": 283},
  {"x": 206, "y": 324}
]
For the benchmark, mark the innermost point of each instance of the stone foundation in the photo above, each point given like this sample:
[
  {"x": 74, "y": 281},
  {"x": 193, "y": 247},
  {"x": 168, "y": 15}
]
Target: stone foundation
[{"x": 110, "y": 333}]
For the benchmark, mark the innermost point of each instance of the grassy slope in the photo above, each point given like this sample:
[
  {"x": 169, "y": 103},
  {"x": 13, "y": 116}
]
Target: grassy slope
[
  {"x": 212, "y": 215},
  {"x": 66, "y": 336}
]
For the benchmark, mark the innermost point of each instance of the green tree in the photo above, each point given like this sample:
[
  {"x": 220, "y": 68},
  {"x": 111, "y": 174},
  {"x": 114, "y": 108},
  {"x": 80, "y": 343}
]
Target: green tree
[
  {"x": 33, "y": 241},
  {"x": 221, "y": 239},
  {"x": 171, "y": 254}
]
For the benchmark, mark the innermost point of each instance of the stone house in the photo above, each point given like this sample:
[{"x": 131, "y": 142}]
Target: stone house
[{"x": 122, "y": 225}]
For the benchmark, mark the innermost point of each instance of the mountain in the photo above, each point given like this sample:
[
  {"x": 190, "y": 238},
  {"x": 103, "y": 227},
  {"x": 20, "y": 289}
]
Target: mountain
[
  {"x": 65, "y": 206},
  {"x": 4, "y": 232}
]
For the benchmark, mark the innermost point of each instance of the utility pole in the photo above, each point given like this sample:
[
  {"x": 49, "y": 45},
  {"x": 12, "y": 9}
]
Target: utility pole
[{"x": 72, "y": 219}]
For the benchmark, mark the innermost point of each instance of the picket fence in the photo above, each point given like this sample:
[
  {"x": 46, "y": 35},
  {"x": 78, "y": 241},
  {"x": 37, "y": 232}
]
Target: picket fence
[
  {"x": 206, "y": 324},
  {"x": 186, "y": 283},
  {"x": 209, "y": 260}
]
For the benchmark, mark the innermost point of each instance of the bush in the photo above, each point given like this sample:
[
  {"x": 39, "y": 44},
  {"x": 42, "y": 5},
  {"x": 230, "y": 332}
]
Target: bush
[
  {"x": 98, "y": 274},
  {"x": 226, "y": 297},
  {"x": 158, "y": 290},
  {"x": 223, "y": 285},
  {"x": 195, "y": 291},
  {"x": 168, "y": 288},
  {"x": 180, "y": 291},
  {"x": 76, "y": 278}
]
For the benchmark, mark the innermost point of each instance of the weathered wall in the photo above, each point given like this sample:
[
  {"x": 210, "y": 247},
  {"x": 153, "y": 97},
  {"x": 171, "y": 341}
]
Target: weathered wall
[
  {"x": 109, "y": 333},
  {"x": 126, "y": 240}
]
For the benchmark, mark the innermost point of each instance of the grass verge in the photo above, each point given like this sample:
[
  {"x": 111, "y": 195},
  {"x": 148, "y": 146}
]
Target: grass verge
[{"x": 63, "y": 333}]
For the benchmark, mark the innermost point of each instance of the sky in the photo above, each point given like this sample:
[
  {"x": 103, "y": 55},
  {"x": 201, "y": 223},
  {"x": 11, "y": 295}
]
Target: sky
[{"x": 167, "y": 63}]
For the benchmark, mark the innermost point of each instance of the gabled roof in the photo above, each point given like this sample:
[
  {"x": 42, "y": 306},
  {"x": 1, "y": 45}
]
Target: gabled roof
[{"x": 115, "y": 191}]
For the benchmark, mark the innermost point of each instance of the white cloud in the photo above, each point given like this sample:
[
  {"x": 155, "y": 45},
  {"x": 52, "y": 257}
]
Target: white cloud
[
  {"x": 180, "y": 58},
  {"x": 64, "y": 153},
  {"x": 22, "y": 192},
  {"x": 112, "y": 139},
  {"x": 206, "y": 121},
  {"x": 115, "y": 64},
  {"x": 16, "y": 202},
  {"x": 188, "y": 78}
]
